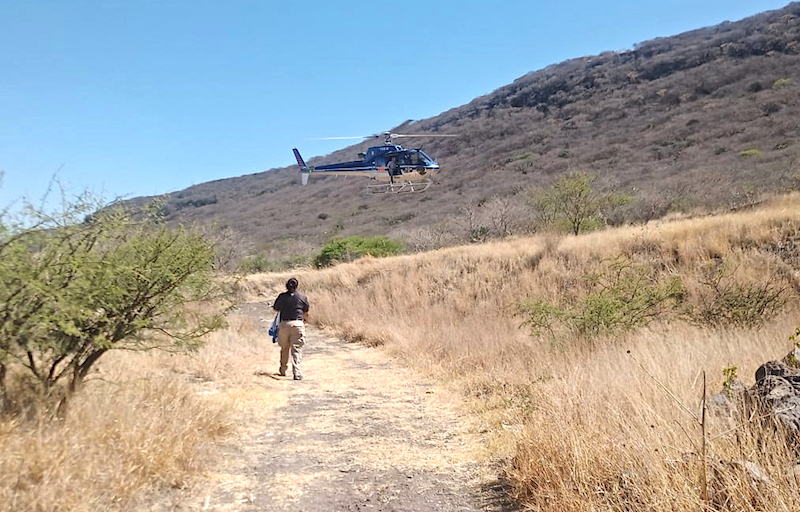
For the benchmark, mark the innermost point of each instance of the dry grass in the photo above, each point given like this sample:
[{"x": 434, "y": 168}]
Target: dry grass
[
  {"x": 604, "y": 436},
  {"x": 143, "y": 423},
  {"x": 588, "y": 429}
]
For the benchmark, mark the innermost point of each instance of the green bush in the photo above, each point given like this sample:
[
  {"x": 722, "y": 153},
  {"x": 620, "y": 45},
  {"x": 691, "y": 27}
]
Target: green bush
[
  {"x": 478, "y": 234},
  {"x": 298, "y": 261},
  {"x": 353, "y": 247},
  {"x": 780, "y": 83},
  {"x": 730, "y": 373},
  {"x": 89, "y": 278},
  {"x": 542, "y": 317},
  {"x": 255, "y": 264},
  {"x": 749, "y": 152},
  {"x": 623, "y": 296}
]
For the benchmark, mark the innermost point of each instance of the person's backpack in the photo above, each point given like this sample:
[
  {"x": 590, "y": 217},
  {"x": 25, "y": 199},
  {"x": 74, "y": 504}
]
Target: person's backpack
[{"x": 273, "y": 329}]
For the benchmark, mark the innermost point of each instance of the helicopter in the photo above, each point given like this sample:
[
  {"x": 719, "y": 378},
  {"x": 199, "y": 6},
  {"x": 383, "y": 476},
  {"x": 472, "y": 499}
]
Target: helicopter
[{"x": 390, "y": 167}]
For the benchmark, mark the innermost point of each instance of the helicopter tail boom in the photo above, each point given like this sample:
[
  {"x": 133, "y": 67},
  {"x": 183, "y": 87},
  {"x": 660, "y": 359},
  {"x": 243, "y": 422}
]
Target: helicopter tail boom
[{"x": 304, "y": 169}]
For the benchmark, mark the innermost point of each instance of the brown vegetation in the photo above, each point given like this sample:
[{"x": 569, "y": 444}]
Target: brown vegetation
[{"x": 585, "y": 427}]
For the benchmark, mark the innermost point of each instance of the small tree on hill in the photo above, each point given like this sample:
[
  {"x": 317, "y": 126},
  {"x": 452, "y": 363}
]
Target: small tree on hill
[
  {"x": 74, "y": 286},
  {"x": 574, "y": 201}
]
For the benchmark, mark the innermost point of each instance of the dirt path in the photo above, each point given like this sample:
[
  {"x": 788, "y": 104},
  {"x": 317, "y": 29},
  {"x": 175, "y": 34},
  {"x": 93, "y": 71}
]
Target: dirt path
[{"x": 359, "y": 433}]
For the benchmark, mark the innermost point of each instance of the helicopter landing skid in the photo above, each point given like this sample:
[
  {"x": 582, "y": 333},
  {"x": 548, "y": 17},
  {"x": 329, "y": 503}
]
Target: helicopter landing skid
[{"x": 399, "y": 187}]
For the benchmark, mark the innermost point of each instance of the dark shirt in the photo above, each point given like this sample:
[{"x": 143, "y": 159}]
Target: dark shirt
[{"x": 291, "y": 305}]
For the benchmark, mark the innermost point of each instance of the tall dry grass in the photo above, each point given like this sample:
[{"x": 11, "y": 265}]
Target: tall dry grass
[
  {"x": 590, "y": 429},
  {"x": 143, "y": 423}
]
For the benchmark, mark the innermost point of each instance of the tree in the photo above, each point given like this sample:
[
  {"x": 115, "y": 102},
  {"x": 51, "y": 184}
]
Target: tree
[
  {"x": 477, "y": 232},
  {"x": 80, "y": 282},
  {"x": 573, "y": 200},
  {"x": 506, "y": 214}
]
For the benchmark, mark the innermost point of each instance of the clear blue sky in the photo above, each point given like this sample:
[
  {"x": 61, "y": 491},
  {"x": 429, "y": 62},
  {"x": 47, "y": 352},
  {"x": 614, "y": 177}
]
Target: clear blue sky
[{"x": 142, "y": 97}]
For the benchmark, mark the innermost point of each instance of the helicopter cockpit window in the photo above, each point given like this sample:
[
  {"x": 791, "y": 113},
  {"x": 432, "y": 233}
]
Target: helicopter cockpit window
[
  {"x": 414, "y": 156},
  {"x": 424, "y": 158}
]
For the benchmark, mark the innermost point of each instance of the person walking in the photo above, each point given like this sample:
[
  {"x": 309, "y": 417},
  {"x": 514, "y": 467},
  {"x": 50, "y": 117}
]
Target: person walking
[
  {"x": 391, "y": 167},
  {"x": 293, "y": 307}
]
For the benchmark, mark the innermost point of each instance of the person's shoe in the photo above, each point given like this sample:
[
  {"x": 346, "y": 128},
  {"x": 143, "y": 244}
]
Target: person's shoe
[
  {"x": 282, "y": 374},
  {"x": 298, "y": 377}
]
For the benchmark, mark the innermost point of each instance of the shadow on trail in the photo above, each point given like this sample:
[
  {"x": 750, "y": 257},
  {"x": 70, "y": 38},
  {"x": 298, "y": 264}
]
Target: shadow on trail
[{"x": 496, "y": 496}]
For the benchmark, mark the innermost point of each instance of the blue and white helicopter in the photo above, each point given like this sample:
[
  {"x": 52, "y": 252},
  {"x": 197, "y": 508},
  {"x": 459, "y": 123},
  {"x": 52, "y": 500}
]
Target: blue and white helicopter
[{"x": 390, "y": 167}]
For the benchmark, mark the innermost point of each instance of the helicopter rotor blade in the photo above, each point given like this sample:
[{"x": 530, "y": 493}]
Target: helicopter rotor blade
[
  {"x": 342, "y": 138},
  {"x": 388, "y": 136},
  {"x": 400, "y": 135}
]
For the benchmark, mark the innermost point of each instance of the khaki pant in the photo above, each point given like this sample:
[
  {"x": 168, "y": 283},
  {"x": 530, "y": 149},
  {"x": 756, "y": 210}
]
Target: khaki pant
[{"x": 291, "y": 338}]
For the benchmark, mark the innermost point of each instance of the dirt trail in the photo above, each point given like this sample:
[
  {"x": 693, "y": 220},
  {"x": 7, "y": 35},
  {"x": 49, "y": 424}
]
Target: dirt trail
[{"x": 359, "y": 433}]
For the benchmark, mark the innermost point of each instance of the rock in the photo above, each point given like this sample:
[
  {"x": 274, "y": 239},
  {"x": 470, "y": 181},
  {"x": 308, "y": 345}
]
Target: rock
[
  {"x": 756, "y": 473},
  {"x": 776, "y": 396},
  {"x": 771, "y": 368},
  {"x": 728, "y": 401},
  {"x": 792, "y": 359}
]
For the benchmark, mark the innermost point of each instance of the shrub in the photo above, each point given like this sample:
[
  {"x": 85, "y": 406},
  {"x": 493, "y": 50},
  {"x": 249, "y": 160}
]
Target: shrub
[
  {"x": 353, "y": 247},
  {"x": 478, "y": 234},
  {"x": 255, "y": 264},
  {"x": 73, "y": 290},
  {"x": 476, "y": 229},
  {"x": 506, "y": 213},
  {"x": 770, "y": 108},
  {"x": 623, "y": 296},
  {"x": 780, "y": 83},
  {"x": 729, "y": 302},
  {"x": 298, "y": 261},
  {"x": 749, "y": 152},
  {"x": 542, "y": 317},
  {"x": 573, "y": 202},
  {"x": 729, "y": 373}
]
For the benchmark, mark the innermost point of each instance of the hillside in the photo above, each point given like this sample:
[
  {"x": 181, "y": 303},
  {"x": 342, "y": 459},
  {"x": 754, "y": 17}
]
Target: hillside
[{"x": 705, "y": 118}]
